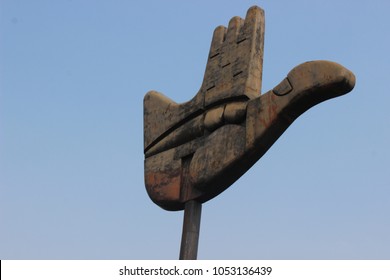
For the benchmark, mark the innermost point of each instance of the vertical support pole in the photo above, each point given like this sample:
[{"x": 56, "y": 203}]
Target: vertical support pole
[{"x": 191, "y": 226}]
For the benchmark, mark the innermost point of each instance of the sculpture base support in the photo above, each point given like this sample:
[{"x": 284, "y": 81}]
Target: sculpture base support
[{"x": 191, "y": 226}]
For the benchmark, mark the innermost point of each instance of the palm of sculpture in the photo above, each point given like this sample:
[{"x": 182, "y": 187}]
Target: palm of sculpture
[{"x": 195, "y": 150}]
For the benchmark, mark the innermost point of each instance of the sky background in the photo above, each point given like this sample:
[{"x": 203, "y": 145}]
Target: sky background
[{"x": 73, "y": 75}]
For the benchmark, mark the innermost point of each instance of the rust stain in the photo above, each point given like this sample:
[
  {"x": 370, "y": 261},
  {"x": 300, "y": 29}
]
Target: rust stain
[{"x": 163, "y": 186}]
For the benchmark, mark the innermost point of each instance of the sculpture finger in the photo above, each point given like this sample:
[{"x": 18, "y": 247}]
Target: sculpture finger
[
  {"x": 217, "y": 41},
  {"x": 234, "y": 28}
]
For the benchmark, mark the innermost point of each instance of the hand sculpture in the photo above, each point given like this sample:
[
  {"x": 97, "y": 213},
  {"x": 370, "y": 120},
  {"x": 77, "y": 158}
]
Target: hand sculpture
[{"x": 196, "y": 150}]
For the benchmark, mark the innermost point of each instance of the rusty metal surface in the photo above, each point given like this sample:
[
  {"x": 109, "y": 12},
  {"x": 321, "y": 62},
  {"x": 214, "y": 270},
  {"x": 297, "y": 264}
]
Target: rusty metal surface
[{"x": 196, "y": 150}]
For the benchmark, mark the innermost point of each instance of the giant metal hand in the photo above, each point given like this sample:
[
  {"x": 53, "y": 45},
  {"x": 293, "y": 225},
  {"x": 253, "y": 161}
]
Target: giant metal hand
[{"x": 195, "y": 150}]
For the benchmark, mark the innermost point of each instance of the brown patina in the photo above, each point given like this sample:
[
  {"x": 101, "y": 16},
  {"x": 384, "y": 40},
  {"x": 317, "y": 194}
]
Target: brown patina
[{"x": 196, "y": 150}]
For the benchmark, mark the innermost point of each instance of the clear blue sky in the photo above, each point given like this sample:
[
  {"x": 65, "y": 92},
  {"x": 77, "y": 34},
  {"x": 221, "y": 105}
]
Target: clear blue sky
[{"x": 73, "y": 75}]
